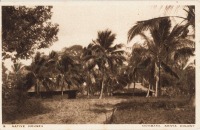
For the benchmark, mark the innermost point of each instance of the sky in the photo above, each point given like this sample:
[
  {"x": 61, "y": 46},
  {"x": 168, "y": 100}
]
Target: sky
[{"x": 79, "y": 22}]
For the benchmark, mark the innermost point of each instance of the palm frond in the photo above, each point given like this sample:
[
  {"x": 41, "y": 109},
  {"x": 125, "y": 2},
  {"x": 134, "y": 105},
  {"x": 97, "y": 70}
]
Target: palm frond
[
  {"x": 177, "y": 31},
  {"x": 86, "y": 52},
  {"x": 167, "y": 69},
  {"x": 116, "y": 47},
  {"x": 119, "y": 52},
  {"x": 97, "y": 48},
  {"x": 152, "y": 48},
  {"x": 110, "y": 63},
  {"x": 91, "y": 65},
  {"x": 37, "y": 57},
  {"x": 88, "y": 57},
  {"x": 182, "y": 42},
  {"x": 67, "y": 60},
  {"x": 16, "y": 67},
  {"x": 160, "y": 33},
  {"x": 191, "y": 15},
  {"x": 143, "y": 26},
  {"x": 116, "y": 57},
  {"x": 105, "y": 38},
  {"x": 53, "y": 55},
  {"x": 145, "y": 63},
  {"x": 139, "y": 51},
  {"x": 50, "y": 62},
  {"x": 184, "y": 52}
]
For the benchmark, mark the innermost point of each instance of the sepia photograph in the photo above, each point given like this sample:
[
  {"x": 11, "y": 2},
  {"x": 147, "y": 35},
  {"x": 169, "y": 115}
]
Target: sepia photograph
[{"x": 98, "y": 62}]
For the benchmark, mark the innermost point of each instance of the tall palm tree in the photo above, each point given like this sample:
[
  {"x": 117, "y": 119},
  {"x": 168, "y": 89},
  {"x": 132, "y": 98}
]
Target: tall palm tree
[
  {"x": 102, "y": 53},
  {"x": 134, "y": 67},
  {"x": 187, "y": 53},
  {"x": 40, "y": 71},
  {"x": 67, "y": 68},
  {"x": 161, "y": 44}
]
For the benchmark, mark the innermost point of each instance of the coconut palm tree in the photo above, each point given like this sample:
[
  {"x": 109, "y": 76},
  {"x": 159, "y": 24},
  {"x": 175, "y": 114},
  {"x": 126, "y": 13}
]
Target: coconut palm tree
[
  {"x": 103, "y": 54},
  {"x": 67, "y": 68},
  {"x": 190, "y": 14},
  {"x": 134, "y": 68},
  {"x": 40, "y": 72},
  {"x": 161, "y": 44}
]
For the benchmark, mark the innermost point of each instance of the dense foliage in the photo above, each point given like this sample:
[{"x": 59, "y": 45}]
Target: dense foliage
[{"x": 25, "y": 29}]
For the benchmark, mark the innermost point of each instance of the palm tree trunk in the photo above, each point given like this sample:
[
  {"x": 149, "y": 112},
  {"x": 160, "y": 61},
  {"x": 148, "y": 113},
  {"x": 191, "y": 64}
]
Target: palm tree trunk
[
  {"x": 148, "y": 91},
  {"x": 159, "y": 85},
  {"x": 88, "y": 90},
  {"x": 156, "y": 92},
  {"x": 62, "y": 92},
  {"x": 102, "y": 88},
  {"x": 157, "y": 77},
  {"x": 62, "y": 88},
  {"x": 88, "y": 85},
  {"x": 111, "y": 90},
  {"x": 150, "y": 84}
]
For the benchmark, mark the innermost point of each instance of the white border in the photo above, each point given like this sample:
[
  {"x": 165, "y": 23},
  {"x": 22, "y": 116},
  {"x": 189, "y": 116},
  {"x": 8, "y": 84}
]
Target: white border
[{"x": 116, "y": 126}]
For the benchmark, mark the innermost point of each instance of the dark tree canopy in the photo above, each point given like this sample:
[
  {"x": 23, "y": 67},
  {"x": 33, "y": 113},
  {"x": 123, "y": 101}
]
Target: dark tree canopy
[{"x": 26, "y": 29}]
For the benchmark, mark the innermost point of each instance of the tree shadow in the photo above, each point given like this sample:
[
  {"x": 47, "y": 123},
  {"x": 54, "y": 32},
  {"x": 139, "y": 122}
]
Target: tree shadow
[{"x": 31, "y": 107}]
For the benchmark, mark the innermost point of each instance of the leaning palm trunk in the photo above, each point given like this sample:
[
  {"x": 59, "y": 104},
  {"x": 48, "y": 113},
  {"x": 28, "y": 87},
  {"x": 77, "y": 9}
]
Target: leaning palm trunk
[
  {"x": 150, "y": 84},
  {"x": 102, "y": 89},
  {"x": 148, "y": 91}
]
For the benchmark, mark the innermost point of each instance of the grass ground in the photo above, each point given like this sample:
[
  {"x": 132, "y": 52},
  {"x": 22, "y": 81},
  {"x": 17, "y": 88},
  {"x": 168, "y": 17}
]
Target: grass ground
[
  {"x": 156, "y": 111},
  {"x": 130, "y": 110}
]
